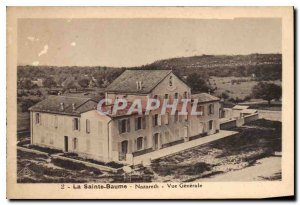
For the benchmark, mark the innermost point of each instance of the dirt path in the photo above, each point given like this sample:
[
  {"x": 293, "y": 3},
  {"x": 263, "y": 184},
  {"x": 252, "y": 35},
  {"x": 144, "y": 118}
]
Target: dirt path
[{"x": 265, "y": 169}]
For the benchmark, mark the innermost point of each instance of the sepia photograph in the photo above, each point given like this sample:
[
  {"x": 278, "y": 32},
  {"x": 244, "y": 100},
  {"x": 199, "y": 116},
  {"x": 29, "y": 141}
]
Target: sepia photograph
[{"x": 150, "y": 103}]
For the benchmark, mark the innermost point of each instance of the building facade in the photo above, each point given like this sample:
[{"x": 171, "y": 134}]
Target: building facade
[{"x": 73, "y": 124}]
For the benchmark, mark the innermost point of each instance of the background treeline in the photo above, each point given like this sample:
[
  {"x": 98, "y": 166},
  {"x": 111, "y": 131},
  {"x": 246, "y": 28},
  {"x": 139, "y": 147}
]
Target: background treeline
[{"x": 263, "y": 66}]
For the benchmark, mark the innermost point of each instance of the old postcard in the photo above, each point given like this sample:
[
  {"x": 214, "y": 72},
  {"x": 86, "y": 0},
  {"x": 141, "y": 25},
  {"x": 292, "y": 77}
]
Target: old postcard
[{"x": 150, "y": 103}]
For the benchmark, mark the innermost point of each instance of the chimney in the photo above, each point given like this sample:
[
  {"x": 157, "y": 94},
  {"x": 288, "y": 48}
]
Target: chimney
[
  {"x": 137, "y": 85},
  {"x": 73, "y": 107},
  {"x": 62, "y": 107},
  {"x": 140, "y": 84}
]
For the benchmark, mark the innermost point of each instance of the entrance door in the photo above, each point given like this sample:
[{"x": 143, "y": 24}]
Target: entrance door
[
  {"x": 66, "y": 144},
  {"x": 156, "y": 141},
  {"x": 124, "y": 150}
]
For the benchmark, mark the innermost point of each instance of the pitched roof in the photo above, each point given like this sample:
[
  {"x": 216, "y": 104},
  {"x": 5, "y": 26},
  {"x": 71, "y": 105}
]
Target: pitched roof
[
  {"x": 204, "y": 97},
  {"x": 240, "y": 107},
  {"x": 126, "y": 82},
  {"x": 248, "y": 111},
  {"x": 53, "y": 105}
]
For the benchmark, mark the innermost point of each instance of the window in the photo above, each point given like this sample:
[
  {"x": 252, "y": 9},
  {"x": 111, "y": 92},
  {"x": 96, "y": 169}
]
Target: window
[
  {"x": 156, "y": 120},
  {"x": 166, "y": 96},
  {"x": 185, "y": 94},
  {"x": 139, "y": 143},
  {"x": 176, "y": 116},
  {"x": 37, "y": 118},
  {"x": 55, "y": 122},
  {"x": 166, "y": 118},
  {"x": 140, "y": 123},
  {"x": 176, "y": 96},
  {"x": 211, "y": 109},
  {"x": 200, "y": 109},
  {"x": 185, "y": 132},
  {"x": 210, "y": 124},
  {"x": 75, "y": 143},
  {"x": 88, "y": 126},
  {"x": 124, "y": 125},
  {"x": 76, "y": 124}
]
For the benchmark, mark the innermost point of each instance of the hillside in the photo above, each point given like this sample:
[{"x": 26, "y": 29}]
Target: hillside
[
  {"x": 212, "y": 61},
  {"x": 264, "y": 66}
]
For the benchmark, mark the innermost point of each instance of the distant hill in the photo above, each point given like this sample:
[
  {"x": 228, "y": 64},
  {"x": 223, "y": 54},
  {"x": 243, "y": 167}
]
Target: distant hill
[
  {"x": 264, "y": 66},
  {"x": 212, "y": 61}
]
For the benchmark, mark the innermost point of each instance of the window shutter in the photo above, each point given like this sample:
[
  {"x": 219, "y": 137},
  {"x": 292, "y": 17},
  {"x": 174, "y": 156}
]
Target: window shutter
[
  {"x": 128, "y": 125},
  {"x": 135, "y": 144},
  {"x": 73, "y": 123},
  {"x": 136, "y": 123},
  {"x": 78, "y": 124},
  {"x": 145, "y": 143},
  {"x": 120, "y": 126},
  {"x": 119, "y": 147},
  {"x": 87, "y": 126},
  {"x": 153, "y": 120},
  {"x": 129, "y": 146},
  {"x": 144, "y": 122}
]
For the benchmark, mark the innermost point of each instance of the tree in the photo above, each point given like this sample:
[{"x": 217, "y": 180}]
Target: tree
[
  {"x": 267, "y": 91},
  {"x": 224, "y": 95},
  {"x": 26, "y": 84},
  {"x": 84, "y": 83},
  {"x": 49, "y": 82},
  {"x": 71, "y": 85},
  {"x": 197, "y": 83},
  {"x": 27, "y": 103}
]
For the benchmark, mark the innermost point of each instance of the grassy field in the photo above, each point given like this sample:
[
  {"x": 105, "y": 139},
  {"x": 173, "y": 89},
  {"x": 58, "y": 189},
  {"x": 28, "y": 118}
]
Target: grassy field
[
  {"x": 43, "y": 169},
  {"x": 240, "y": 90},
  {"x": 255, "y": 141}
]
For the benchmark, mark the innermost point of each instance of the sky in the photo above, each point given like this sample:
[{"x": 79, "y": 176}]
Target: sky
[{"x": 135, "y": 42}]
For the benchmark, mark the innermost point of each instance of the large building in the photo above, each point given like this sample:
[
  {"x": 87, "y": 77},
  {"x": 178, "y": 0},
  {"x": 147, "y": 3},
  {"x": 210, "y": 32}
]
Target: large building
[{"x": 73, "y": 124}]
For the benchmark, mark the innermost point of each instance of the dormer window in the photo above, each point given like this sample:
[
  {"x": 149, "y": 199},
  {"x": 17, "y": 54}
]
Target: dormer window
[
  {"x": 139, "y": 85},
  {"x": 176, "y": 96},
  {"x": 185, "y": 94}
]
